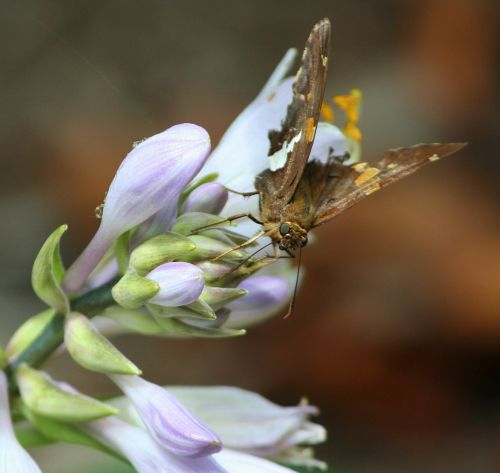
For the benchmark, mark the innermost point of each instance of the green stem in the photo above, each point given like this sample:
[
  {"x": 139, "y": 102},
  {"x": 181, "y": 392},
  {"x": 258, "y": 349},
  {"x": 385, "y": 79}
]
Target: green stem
[{"x": 52, "y": 335}]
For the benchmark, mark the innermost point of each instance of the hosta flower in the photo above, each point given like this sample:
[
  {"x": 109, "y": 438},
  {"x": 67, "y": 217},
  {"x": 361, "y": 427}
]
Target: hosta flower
[
  {"x": 167, "y": 420},
  {"x": 13, "y": 457},
  {"x": 247, "y": 422},
  {"x": 151, "y": 177},
  {"x": 147, "y": 456}
]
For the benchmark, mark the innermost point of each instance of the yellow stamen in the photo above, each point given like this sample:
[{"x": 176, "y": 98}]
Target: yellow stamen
[
  {"x": 351, "y": 104},
  {"x": 327, "y": 113}
]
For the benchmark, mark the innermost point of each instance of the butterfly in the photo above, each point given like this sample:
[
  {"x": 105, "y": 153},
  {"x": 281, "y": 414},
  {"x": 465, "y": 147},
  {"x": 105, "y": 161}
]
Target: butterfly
[{"x": 297, "y": 194}]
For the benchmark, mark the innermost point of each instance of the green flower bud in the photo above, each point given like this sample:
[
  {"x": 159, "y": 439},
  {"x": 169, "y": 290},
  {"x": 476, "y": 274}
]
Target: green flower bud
[
  {"x": 28, "y": 332},
  {"x": 218, "y": 297},
  {"x": 189, "y": 223},
  {"x": 92, "y": 350},
  {"x": 209, "y": 248},
  {"x": 48, "y": 272},
  {"x": 57, "y": 400},
  {"x": 132, "y": 291},
  {"x": 158, "y": 250}
]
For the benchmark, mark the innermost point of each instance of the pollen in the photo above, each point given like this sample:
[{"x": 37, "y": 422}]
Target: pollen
[
  {"x": 433, "y": 158},
  {"x": 370, "y": 173},
  {"x": 327, "y": 113},
  {"x": 310, "y": 130}
]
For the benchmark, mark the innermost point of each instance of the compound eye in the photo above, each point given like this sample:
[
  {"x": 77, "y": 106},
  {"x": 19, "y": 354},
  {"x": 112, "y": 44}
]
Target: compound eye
[
  {"x": 304, "y": 242},
  {"x": 284, "y": 229}
]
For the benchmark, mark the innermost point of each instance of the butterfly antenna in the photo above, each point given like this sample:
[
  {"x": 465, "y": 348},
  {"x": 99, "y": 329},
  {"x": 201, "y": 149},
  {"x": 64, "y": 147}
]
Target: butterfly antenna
[{"x": 292, "y": 302}]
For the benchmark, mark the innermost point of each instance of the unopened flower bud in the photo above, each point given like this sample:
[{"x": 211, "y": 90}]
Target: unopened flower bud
[
  {"x": 209, "y": 198},
  {"x": 180, "y": 284}
]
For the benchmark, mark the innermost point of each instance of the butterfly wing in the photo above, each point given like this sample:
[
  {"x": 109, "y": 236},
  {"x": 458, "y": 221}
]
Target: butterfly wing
[
  {"x": 345, "y": 186},
  {"x": 290, "y": 147}
]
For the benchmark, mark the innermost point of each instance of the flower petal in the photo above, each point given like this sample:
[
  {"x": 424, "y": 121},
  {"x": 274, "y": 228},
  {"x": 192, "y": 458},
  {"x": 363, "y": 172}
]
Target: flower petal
[
  {"x": 13, "y": 457},
  {"x": 237, "y": 462},
  {"x": 180, "y": 284},
  {"x": 144, "y": 453},
  {"x": 266, "y": 295},
  {"x": 167, "y": 420},
  {"x": 243, "y": 419},
  {"x": 153, "y": 174},
  {"x": 208, "y": 198},
  {"x": 329, "y": 141}
]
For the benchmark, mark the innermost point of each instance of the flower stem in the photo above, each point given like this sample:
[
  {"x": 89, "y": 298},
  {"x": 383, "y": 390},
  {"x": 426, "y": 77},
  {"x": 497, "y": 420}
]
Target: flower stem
[{"x": 91, "y": 303}]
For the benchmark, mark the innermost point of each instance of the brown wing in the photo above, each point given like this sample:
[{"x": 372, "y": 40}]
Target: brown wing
[
  {"x": 345, "y": 186},
  {"x": 290, "y": 147}
]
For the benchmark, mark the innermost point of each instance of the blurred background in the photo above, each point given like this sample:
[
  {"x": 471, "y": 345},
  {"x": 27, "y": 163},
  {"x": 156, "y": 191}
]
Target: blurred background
[{"x": 396, "y": 332}]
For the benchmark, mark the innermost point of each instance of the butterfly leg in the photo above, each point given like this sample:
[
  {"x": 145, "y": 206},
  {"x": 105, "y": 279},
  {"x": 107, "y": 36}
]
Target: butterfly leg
[
  {"x": 242, "y": 245},
  {"x": 244, "y": 194},
  {"x": 229, "y": 220}
]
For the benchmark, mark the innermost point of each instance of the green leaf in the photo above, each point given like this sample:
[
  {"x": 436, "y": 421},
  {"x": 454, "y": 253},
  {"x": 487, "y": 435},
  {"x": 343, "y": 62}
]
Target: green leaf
[
  {"x": 28, "y": 332},
  {"x": 133, "y": 320},
  {"x": 203, "y": 312},
  {"x": 121, "y": 252},
  {"x": 92, "y": 350},
  {"x": 176, "y": 328},
  {"x": 46, "y": 397},
  {"x": 29, "y": 437},
  {"x": 48, "y": 272},
  {"x": 61, "y": 432}
]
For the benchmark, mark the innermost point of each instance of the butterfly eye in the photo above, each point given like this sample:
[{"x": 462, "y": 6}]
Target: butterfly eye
[
  {"x": 304, "y": 242},
  {"x": 284, "y": 229}
]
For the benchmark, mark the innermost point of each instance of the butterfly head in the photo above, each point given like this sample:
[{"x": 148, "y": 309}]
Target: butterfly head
[{"x": 291, "y": 236}]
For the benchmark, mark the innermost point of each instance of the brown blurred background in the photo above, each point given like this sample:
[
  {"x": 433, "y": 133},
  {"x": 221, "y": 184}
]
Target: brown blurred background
[{"x": 396, "y": 333}]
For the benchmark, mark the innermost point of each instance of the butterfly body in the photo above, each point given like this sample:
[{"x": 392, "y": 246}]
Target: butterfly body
[{"x": 296, "y": 193}]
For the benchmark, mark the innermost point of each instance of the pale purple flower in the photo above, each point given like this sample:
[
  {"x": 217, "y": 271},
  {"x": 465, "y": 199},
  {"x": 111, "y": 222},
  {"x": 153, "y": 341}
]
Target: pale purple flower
[
  {"x": 13, "y": 457},
  {"x": 145, "y": 454},
  {"x": 152, "y": 176},
  {"x": 248, "y": 422},
  {"x": 266, "y": 295},
  {"x": 209, "y": 198},
  {"x": 167, "y": 420},
  {"x": 180, "y": 283}
]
